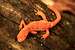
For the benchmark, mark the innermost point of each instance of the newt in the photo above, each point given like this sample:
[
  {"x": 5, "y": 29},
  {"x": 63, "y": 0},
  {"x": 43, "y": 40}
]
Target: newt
[{"x": 41, "y": 25}]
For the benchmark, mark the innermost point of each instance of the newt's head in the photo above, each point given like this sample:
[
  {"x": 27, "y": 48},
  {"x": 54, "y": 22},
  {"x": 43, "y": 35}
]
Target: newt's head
[{"x": 22, "y": 35}]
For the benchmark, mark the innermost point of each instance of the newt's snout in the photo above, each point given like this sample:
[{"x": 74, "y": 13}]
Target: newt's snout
[{"x": 22, "y": 35}]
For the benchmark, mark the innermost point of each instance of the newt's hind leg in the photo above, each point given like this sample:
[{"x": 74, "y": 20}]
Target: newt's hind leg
[
  {"x": 22, "y": 25},
  {"x": 39, "y": 12},
  {"x": 46, "y": 35}
]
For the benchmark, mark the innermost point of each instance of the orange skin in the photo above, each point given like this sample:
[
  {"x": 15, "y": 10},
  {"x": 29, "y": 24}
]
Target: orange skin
[{"x": 42, "y": 25}]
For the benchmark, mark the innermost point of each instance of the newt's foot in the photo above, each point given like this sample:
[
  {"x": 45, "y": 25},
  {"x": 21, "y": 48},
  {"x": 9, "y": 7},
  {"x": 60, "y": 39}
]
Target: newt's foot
[
  {"x": 45, "y": 36},
  {"x": 20, "y": 27}
]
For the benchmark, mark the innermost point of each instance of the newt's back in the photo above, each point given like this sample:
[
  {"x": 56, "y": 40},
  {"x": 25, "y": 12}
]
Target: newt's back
[{"x": 39, "y": 25}]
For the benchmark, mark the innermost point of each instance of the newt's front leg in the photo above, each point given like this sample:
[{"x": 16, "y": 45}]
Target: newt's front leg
[
  {"x": 41, "y": 14},
  {"x": 22, "y": 25}
]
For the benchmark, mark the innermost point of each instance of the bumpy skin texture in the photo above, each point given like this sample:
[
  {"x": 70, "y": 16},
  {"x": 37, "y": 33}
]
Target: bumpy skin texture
[{"x": 42, "y": 25}]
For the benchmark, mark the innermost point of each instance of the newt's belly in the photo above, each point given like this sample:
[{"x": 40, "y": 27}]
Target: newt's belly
[{"x": 39, "y": 25}]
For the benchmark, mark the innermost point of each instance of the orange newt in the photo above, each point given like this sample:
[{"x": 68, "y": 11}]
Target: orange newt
[{"x": 41, "y": 25}]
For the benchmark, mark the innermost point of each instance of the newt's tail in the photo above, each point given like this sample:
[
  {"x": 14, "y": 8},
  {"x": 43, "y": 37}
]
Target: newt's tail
[
  {"x": 22, "y": 35},
  {"x": 52, "y": 24}
]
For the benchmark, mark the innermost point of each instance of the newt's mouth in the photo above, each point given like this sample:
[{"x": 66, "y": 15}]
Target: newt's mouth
[{"x": 19, "y": 40}]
